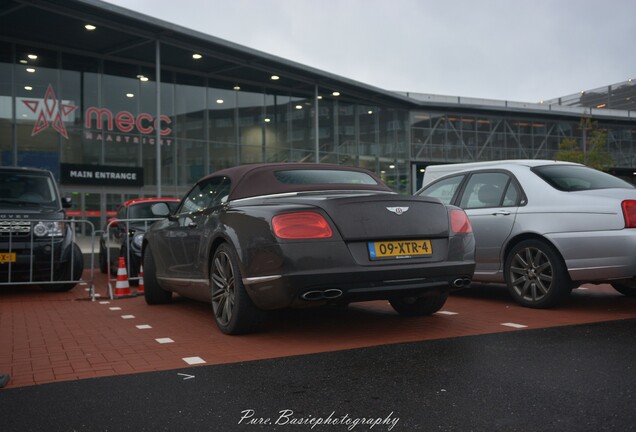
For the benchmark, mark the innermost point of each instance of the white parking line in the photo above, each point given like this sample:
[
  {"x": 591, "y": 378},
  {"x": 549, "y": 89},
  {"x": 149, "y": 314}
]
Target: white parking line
[
  {"x": 514, "y": 325},
  {"x": 164, "y": 340},
  {"x": 115, "y": 308},
  {"x": 127, "y": 316},
  {"x": 446, "y": 313},
  {"x": 144, "y": 327},
  {"x": 104, "y": 302},
  {"x": 193, "y": 360}
]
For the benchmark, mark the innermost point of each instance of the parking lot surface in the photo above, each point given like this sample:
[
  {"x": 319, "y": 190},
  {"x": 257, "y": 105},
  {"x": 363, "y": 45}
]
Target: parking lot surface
[{"x": 55, "y": 337}]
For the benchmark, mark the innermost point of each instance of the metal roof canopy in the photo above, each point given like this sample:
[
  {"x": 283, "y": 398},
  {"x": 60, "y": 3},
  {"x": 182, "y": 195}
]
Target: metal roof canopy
[
  {"x": 126, "y": 36},
  {"x": 129, "y": 37}
]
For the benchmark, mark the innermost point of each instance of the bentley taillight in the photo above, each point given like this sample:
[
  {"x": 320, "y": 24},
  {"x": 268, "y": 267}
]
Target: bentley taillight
[
  {"x": 459, "y": 222},
  {"x": 301, "y": 225},
  {"x": 629, "y": 213}
]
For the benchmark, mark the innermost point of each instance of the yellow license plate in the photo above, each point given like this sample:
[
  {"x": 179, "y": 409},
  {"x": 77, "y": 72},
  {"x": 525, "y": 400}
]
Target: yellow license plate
[
  {"x": 399, "y": 249},
  {"x": 6, "y": 257}
]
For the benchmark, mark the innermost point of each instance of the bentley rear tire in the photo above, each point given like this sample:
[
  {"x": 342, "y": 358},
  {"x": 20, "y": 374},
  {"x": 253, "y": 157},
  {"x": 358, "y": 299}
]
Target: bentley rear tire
[
  {"x": 418, "y": 306},
  {"x": 627, "y": 289}
]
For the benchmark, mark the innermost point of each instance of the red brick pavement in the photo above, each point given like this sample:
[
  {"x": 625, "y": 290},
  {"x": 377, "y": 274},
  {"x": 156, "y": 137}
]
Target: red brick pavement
[{"x": 48, "y": 337}]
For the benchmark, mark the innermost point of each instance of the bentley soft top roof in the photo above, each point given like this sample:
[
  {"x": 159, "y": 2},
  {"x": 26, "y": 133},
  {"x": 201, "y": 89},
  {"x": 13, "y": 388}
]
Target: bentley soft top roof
[{"x": 264, "y": 179}]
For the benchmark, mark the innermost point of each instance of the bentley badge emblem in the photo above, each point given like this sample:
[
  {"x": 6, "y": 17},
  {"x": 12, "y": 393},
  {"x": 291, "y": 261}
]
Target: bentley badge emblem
[{"x": 397, "y": 210}]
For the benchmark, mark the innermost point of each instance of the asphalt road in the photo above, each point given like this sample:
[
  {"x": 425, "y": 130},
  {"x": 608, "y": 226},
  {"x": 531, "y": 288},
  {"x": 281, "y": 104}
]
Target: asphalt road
[{"x": 575, "y": 378}]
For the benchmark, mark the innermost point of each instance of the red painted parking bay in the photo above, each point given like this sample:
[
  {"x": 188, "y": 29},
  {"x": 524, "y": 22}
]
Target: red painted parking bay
[{"x": 49, "y": 337}]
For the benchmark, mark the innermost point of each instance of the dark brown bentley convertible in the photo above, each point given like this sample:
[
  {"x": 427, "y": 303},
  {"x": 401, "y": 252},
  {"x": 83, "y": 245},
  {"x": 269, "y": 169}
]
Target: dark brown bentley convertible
[{"x": 268, "y": 236}]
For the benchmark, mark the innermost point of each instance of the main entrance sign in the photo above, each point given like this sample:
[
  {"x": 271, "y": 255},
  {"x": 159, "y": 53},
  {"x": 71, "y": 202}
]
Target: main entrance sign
[{"x": 101, "y": 175}]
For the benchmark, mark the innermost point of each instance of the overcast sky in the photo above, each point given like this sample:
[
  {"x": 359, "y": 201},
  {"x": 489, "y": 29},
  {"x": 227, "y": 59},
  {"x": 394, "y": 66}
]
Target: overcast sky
[{"x": 496, "y": 49}]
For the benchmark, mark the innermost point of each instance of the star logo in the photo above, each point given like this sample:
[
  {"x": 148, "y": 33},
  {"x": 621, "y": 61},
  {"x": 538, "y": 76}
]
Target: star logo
[{"x": 52, "y": 112}]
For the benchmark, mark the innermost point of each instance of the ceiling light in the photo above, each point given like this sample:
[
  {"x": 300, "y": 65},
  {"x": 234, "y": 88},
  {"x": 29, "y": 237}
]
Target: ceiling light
[
  {"x": 130, "y": 95},
  {"x": 197, "y": 56},
  {"x": 267, "y": 120},
  {"x": 369, "y": 112},
  {"x": 319, "y": 97},
  {"x": 392, "y": 166},
  {"x": 30, "y": 70},
  {"x": 336, "y": 93},
  {"x": 237, "y": 87},
  {"x": 90, "y": 27},
  {"x": 32, "y": 56},
  {"x": 219, "y": 101},
  {"x": 28, "y": 88},
  {"x": 299, "y": 107},
  {"x": 142, "y": 78},
  {"x": 274, "y": 77},
  {"x": 23, "y": 61}
]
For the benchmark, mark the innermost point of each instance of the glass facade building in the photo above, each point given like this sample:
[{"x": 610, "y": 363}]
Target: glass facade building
[{"x": 87, "y": 106}]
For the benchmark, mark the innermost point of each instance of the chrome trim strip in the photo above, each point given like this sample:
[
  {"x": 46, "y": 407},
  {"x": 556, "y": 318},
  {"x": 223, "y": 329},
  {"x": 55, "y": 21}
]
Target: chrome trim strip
[
  {"x": 290, "y": 194},
  {"x": 260, "y": 279},
  {"x": 185, "y": 280}
]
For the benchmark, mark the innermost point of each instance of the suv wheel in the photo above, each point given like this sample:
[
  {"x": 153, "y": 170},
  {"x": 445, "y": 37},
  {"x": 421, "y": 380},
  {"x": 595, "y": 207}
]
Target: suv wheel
[{"x": 65, "y": 272}]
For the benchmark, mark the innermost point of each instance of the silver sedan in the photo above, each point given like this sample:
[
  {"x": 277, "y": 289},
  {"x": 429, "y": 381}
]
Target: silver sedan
[{"x": 543, "y": 227}]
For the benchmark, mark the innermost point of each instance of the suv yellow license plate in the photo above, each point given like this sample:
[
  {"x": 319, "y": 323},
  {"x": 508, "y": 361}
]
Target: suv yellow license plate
[
  {"x": 399, "y": 249},
  {"x": 6, "y": 257}
]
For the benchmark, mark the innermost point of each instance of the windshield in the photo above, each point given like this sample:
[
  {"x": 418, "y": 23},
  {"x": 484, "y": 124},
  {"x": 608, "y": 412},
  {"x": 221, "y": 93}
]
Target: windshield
[
  {"x": 571, "y": 178},
  {"x": 27, "y": 189}
]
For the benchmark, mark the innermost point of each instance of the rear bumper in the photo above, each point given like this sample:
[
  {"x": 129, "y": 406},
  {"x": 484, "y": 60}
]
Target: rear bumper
[
  {"x": 280, "y": 275},
  {"x": 598, "y": 256},
  {"x": 345, "y": 285}
]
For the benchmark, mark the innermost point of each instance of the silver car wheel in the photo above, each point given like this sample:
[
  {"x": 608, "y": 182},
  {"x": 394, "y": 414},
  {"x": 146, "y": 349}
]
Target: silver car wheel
[
  {"x": 531, "y": 274},
  {"x": 536, "y": 274},
  {"x": 224, "y": 289}
]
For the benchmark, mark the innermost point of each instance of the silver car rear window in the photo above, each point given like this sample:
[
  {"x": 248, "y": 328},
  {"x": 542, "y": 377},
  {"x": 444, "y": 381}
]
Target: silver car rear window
[{"x": 571, "y": 178}]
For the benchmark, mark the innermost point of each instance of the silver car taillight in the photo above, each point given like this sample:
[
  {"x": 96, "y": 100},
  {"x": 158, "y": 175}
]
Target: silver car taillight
[{"x": 629, "y": 213}]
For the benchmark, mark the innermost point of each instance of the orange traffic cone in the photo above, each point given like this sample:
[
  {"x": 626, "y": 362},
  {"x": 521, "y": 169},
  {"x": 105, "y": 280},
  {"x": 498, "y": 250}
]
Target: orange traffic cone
[
  {"x": 122, "y": 288},
  {"x": 140, "y": 287}
]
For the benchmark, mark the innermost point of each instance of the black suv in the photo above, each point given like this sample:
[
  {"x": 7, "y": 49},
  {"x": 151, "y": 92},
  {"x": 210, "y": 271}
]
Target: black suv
[{"x": 36, "y": 240}]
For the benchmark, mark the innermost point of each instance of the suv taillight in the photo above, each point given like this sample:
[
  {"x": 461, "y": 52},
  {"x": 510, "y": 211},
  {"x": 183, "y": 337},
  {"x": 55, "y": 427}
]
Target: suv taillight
[
  {"x": 301, "y": 225},
  {"x": 459, "y": 222},
  {"x": 629, "y": 213}
]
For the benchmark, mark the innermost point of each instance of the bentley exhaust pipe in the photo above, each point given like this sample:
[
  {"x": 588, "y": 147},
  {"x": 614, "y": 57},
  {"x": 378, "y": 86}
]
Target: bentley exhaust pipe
[
  {"x": 461, "y": 282},
  {"x": 317, "y": 295}
]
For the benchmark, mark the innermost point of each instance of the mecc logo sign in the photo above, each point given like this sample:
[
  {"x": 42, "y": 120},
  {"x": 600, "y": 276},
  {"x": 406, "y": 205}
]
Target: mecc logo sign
[
  {"x": 52, "y": 112},
  {"x": 49, "y": 113}
]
